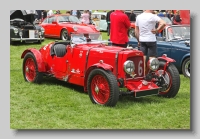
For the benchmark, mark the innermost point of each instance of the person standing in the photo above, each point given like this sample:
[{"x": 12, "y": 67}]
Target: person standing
[
  {"x": 132, "y": 16},
  {"x": 85, "y": 17},
  {"x": 44, "y": 14},
  {"x": 68, "y": 13},
  {"x": 119, "y": 26},
  {"x": 50, "y": 12},
  {"x": 145, "y": 33},
  {"x": 39, "y": 15},
  {"x": 108, "y": 21},
  {"x": 76, "y": 13},
  {"x": 177, "y": 18}
]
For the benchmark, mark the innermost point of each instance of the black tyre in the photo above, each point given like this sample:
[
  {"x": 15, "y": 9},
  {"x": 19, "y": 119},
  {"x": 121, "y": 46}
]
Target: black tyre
[
  {"x": 30, "y": 69},
  {"x": 39, "y": 42},
  {"x": 186, "y": 67},
  {"x": 103, "y": 88},
  {"x": 64, "y": 35},
  {"x": 131, "y": 33},
  {"x": 171, "y": 79}
]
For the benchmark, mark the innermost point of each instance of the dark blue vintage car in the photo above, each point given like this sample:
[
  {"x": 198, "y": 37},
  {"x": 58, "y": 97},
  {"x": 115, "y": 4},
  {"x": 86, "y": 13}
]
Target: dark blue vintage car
[{"x": 175, "y": 43}]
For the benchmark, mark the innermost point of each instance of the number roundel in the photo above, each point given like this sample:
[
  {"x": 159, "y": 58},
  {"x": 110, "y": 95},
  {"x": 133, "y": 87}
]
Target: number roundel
[{"x": 140, "y": 69}]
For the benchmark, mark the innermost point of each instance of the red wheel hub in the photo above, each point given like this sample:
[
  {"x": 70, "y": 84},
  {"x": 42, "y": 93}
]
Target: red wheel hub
[
  {"x": 100, "y": 89},
  {"x": 29, "y": 69}
]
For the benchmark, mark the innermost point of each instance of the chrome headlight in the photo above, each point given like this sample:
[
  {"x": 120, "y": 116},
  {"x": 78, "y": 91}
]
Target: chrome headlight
[
  {"x": 42, "y": 30},
  {"x": 153, "y": 64},
  {"x": 129, "y": 67},
  {"x": 75, "y": 28},
  {"x": 15, "y": 30}
]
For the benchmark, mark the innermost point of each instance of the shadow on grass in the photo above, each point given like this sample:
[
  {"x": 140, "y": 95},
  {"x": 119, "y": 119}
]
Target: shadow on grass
[
  {"x": 144, "y": 100},
  {"x": 123, "y": 100},
  {"x": 51, "y": 80}
]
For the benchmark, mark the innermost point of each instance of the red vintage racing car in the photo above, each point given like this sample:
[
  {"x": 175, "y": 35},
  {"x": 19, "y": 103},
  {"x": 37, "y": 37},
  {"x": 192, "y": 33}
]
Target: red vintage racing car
[{"x": 105, "y": 72}]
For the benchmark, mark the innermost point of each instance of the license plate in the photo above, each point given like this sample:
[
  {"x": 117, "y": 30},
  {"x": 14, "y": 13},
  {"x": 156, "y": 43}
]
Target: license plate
[{"x": 31, "y": 34}]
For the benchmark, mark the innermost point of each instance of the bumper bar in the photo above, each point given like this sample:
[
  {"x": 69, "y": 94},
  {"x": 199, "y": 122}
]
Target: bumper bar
[{"x": 142, "y": 88}]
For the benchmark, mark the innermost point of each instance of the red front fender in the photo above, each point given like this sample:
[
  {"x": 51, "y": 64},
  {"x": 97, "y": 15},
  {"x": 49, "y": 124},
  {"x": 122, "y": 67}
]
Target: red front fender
[
  {"x": 103, "y": 66},
  {"x": 38, "y": 57},
  {"x": 167, "y": 59},
  {"x": 97, "y": 65}
]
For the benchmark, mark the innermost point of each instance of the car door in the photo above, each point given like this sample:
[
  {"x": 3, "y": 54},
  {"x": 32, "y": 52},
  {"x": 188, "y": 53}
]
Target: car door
[
  {"x": 52, "y": 27},
  {"x": 164, "y": 47}
]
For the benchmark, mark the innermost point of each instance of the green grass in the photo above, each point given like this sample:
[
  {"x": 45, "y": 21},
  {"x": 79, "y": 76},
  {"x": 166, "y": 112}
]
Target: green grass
[{"x": 57, "y": 105}]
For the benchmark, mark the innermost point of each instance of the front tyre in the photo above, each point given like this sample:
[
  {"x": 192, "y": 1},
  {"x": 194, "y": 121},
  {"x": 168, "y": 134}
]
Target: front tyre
[
  {"x": 170, "y": 80},
  {"x": 103, "y": 88},
  {"x": 30, "y": 69},
  {"x": 186, "y": 67}
]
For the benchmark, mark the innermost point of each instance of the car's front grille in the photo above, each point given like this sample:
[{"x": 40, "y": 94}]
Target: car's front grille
[
  {"x": 139, "y": 66},
  {"x": 26, "y": 34}
]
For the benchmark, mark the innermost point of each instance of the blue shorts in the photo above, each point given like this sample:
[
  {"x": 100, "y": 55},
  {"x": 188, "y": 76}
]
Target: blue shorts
[{"x": 149, "y": 48}]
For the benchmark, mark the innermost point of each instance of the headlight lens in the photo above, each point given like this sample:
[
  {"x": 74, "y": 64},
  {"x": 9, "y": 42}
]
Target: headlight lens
[
  {"x": 15, "y": 30},
  {"x": 129, "y": 67},
  {"x": 75, "y": 28},
  {"x": 42, "y": 29},
  {"x": 153, "y": 64}
]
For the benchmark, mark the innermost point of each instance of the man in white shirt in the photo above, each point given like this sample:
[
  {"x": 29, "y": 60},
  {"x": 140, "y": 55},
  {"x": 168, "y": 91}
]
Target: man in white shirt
[
  {"x": 145, "y": 32},
  {"x": 50, "y": 12}
]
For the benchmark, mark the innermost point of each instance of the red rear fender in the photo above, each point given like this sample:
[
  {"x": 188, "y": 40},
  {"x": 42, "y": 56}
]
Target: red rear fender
[{"x": 38, "y": 57}]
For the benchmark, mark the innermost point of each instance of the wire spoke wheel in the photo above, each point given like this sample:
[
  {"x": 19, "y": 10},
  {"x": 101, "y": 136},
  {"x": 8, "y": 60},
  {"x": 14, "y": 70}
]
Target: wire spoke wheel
[
  {"x": 102, "y": 87},
  {"x": 30, "y": 69}
]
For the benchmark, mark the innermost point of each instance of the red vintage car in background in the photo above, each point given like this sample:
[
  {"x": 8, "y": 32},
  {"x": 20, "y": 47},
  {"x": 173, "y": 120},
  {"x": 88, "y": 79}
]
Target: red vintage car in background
[
  {"x": 62, "y": 25},
  {"x": 105, "y": 72}
]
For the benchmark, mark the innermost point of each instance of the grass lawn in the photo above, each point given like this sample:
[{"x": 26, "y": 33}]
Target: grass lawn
[{"x": 57, "y": 105}]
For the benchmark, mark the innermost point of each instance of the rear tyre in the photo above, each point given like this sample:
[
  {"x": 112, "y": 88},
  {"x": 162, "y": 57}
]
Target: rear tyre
[
  {"x": 30, "y": 69},
  {"x": 103, "y": 88}
]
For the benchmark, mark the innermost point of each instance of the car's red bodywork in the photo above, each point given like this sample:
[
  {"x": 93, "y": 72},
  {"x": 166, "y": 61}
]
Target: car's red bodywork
[
  {"x": 92, "y": 65},
  {"x": 53, "y": 29}
]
